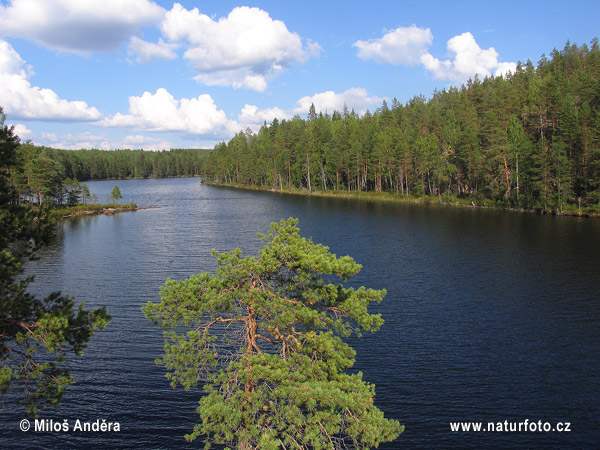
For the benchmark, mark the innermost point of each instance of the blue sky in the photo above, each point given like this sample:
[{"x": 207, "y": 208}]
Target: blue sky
[{"x": 160, "y": 74}]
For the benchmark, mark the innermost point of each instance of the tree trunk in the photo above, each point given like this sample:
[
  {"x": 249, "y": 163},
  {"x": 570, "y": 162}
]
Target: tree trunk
[
  {"x": 308, "y": 172},
  {"x": 507, "y": 173},
  {"x": 517, "y": 167}
]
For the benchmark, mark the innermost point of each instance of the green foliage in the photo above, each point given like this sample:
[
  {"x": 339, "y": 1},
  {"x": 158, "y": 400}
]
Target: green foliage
[
  {"x": 265, "y": 336},
  {"x": 75, "y": 191},
  {"x": 36, "y": 336},
  {"x": 529, "y": 140},
  {"x": 52, "y": 177},
  {"x": 82, "y": 210},
  {"x": 119, "y": 164},
  {"x": 115, "y": 193}
]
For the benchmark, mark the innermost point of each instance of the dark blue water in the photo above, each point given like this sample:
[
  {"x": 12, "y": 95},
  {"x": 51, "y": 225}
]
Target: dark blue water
[{"x": 490, "y": 316}]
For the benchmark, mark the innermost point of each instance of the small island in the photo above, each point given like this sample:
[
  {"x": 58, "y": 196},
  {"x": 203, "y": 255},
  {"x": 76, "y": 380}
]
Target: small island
[
  {"x": 93, "y": 209},
  {"x": 43, "y": 185}
]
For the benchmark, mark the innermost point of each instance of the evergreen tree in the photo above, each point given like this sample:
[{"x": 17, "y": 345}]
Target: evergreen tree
[
  {"x": 530, "y": 140},
  {"x": 265, "y": 334},
  {"x": 115, "y": 194},
  {"x": 36, "y": 336},
  {"x": 74, "y": 191},
  {"x": 85, "y": 194}
]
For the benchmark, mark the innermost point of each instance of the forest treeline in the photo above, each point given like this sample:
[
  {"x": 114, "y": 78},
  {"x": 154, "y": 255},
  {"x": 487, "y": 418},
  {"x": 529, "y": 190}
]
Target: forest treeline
[
  {"x": 94, "y": 164},
  {"x": 528, "y": 140},
  {"x": 49, "y": 175}
]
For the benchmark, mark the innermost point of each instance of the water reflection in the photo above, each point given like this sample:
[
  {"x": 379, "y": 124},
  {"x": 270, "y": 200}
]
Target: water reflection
[{"x": 489, "y": 315}]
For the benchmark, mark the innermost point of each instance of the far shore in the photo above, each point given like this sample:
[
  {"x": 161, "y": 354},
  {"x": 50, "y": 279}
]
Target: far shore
[{"x": 467, "y": 202}]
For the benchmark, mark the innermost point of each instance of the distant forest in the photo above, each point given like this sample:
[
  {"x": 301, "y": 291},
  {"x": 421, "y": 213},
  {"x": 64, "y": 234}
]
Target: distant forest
[
  {"x": 53, "y": 176},
  {"x": 85, "y": 165},
  {"x": 530, "y": 140}
]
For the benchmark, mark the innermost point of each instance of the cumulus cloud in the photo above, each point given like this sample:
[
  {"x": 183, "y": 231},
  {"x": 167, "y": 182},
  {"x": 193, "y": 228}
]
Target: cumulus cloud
[
  {"x": 23, "y": 132},
  {"x": 145, "y": 142},
  {"x": 244, "y": 49},
  {"x": 75, "y": 141},
  {"x": 162, "y": 112},
  {"x": 409, "y": 46},
  {"x": 11, "y": 62},
  {"x": 253, "y": 117},
  {"x": 469, "y": 59},
  {"x": 88, "y": 140},
  {"x": 78, "y": 26},
  {"x": 143, "y": 52},
  {"x": 21, "y": 100},
  {"x": 402, "y": 46},
  {"x": 354, "y": 98},
  {"x": 504, "y": 68}
]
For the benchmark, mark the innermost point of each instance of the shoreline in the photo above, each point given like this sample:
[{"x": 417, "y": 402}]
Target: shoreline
[
  {"x": 93, "y": 210},
  {"x": 399, "y": 198}
]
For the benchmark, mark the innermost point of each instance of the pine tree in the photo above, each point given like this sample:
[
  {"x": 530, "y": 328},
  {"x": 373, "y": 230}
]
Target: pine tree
[
  {"x": 115, "y": 194},
  {"x": 36, "y": 336},
  {"x": 265, "y": 334}
]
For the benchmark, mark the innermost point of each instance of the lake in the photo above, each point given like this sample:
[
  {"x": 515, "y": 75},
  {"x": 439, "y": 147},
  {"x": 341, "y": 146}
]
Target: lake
[{"x": 490, "y": 316}]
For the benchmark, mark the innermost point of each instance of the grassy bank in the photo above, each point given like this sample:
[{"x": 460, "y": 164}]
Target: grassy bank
[
  {"x": 86, "y": 210},
  {"x": 448, "y": 200}
]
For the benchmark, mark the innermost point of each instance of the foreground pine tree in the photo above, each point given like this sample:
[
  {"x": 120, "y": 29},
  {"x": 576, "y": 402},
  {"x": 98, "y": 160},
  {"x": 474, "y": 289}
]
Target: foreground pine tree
[
  {"x": 38, "y": 337},
  {"x": 264, "y": 335}
]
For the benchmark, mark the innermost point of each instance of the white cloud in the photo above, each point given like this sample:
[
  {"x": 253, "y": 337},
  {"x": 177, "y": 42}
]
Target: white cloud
[
  {"x": 252, "y": 114},
  {"x": 244, "y": 49},
  {"x": 253, "y": 117},
  {"x": 144, "y": 142},
  {"x": 78, "y": 26},
  {"x": 23, "y": 132},
  {"x": 21, "y": 100},
  {"x": 402, "y": 46},
  {"x": 504, "y": 68},
  {"x": 88, "y": 140},
  {"x": 11, "y": 62},
  {"x": 409, "y": 46},
  {"x": 162, "y": 112},
  {"x": 469, "y": 59},
  {"x": 85, "y": 140},
  {"x": 143, "y": 52},
  {"x": 354, "y": 98},
  {"x": 138, "y": 139},
  {"x": 239, "y": 78},
  {"x": 313, "y": 48}
]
